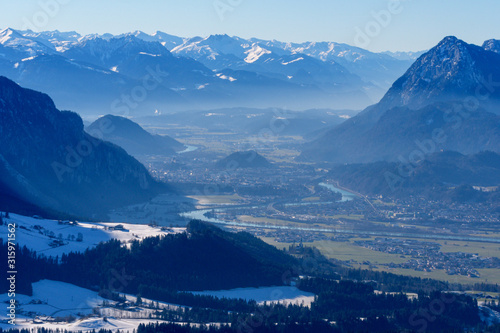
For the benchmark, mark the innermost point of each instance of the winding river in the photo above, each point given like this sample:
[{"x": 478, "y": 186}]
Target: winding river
[{"x": 346, "y": 196}]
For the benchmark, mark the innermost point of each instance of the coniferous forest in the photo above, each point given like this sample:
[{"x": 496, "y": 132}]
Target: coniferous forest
[{"x": 162, "y": 268}]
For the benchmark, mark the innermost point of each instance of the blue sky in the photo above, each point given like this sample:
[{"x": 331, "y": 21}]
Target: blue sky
[{"x": 378, "y": 25}]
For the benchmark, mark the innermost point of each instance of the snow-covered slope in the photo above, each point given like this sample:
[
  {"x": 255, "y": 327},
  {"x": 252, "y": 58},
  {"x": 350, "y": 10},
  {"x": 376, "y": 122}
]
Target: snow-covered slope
[
  {"x": 169, "y": 41},
  {"x": 222, "y": 51},
  {"x": 60, "y": 40},
  {"x": 24, "y": 46},
  {"x": 112, "y": 52},
  {"x": 53, "y": 238},
  {"x": 54, "y": 299}
]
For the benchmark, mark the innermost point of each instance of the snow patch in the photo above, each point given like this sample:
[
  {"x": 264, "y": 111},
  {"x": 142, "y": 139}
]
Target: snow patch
[
  {"x": 225, "y": 77},
  {"x": 149, "y": 54},
  {"x": 282, "y": 294},
  {"x": 29, "y": 58},
  {"x": 291, "y": 62},
  {"x": 57, "y": 299}
]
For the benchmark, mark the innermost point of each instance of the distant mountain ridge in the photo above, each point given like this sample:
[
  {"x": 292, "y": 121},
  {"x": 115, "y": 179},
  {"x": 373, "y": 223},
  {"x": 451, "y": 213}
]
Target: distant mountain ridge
[
  {"x": 193, "y": 73},
  {"x": 250, "y": 120},
  {"x": 447, "y": 100},
  {"x": 108, "y": 53},
  {"x": 222, "y": 51},
  {"x": 132, "y": 137},
  {"x": 47, "y": 160}
]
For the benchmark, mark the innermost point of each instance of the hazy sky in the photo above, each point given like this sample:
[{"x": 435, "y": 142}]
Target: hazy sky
[{"x": 378, "y": 25}]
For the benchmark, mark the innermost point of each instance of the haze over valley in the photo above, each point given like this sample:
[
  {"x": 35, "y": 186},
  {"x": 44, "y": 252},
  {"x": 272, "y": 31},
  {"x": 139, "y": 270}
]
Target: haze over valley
[{"x": 151, "y": 182}]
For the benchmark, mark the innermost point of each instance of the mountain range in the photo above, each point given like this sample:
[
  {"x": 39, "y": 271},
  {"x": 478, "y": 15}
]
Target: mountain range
[
  {"x": 48, "y": 162},
  {"x": 251, "y": 121},
  {"x": 136, "y": 74},
  {"x": 447, "y": 100}
]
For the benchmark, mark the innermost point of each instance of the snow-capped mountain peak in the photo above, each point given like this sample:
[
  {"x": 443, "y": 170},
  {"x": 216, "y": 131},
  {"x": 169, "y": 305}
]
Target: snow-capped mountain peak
[
  {"x": 7, "y": 34},
  {"x": 322, "y": 68},
  {"x": 25, "y": 45},
  {"x": 141, "y": 35},
  {"x": 168, "y": 41},
  {"x": 109, "y": 53},
  {"x": 254, "y": 53}
]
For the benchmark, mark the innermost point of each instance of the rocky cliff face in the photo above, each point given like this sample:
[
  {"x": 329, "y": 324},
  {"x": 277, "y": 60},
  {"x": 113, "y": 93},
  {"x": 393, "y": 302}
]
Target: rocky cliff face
[
  {"x": 451, "y": 70},
  {"x": 492, "y": 45}
]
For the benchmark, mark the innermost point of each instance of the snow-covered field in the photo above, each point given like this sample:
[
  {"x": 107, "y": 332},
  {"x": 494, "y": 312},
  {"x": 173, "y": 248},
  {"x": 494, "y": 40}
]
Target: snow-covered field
[
  {"x": 52, "y": 299},
  {"x": 85, "y": 325},
  {"x": 489, "y": 316},
  {"x": 284, "y": 295},
  {"x": 51, "y": 238},
  {"x": 56, "y": 299}
]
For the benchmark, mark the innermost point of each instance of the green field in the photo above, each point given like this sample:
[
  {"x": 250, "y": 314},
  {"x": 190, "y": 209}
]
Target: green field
[
  {"x": 347, "y": 251},
  {"x": 487, "y": 275},
  {"x": 483, "y": 249}
]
